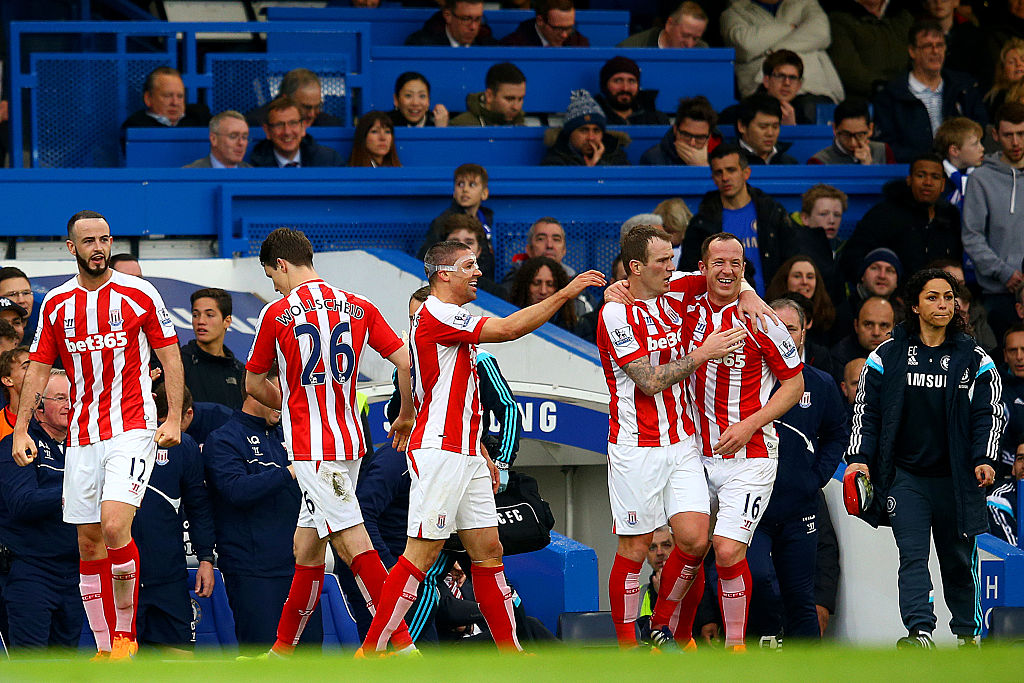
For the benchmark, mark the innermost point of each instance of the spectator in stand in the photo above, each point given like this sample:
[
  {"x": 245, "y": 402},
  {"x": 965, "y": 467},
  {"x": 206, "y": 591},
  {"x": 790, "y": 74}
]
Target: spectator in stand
[
  {"x": 963, "y": 38},
  {"x": 501, "y": 102},
  {"x": 1009, "y": 74},
  {"x": 460, "y": 23},
  {"x": 41, "y": 588},
  {"x": 675, "y": 218},
  {"x": 976, "y": 313},
  {"x": 851, "y": 142},
  {"x": 760, "y": 222},
  {"x": 1004, "y": 24},
  {"x": 373, "y": 144},
  {"x": 662, "y": 544},
  {"x": 869, "y": 40},
  {"x": 993, "y": 230},
  {"x": 813, "y": 354},
  {"x": 13, "y": 364},
  {"x": 255, "y": 510},
  {"x": 536, "y": 280},
  {"x": 164, "y": 96},
  {"x": 467, "y": 229},
  {"x": 126, "y": 263},
  {"x": 796, "y": 29},
  {"x": 229, "y": 140},
  {"x": 304, "y": 88},
  {"x": 823, "y": 207},
  {"x": 912, "y": 106},
  {"x": 689, "y": 140},
  {"x": 912, "y": 219},
  {"x": 467, "y": 198},
  {"x": 757, "y": 130},
  {"x": 14, "y": 314},
  {"x": 15, "y": 285},
  {"x": 288, "y": 145},
  {"x": 800, "y": 274},
  {"x": 958, "y": 142},
  {"x": 554, "y": 26},
  {"x": 851, "y": 380},
  {"x": 583, "y": 139},
  {"x": 546, "y": 237},
  {"x": 683, "y": 28},
  {"x": 871, "y": 327},
  {"x": 412, "y": 103},
  {"x": 622, "y": 100},
  {"x": 212, "y": 372},
  {"x": 9, "y": 337},
  {"x": 880, "y": 275}
]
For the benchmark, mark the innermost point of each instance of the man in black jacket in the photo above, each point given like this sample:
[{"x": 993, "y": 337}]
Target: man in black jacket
[
  {"x": 164, "y": 96},
  {"x": 762, "y": 224},
  {"x": 622, "y": 100},
  {"x": 583, "y": 139},
  {"x": 911, "y": 107},
  {"x": 926, "y": 428},
  {"x": 212, "y": 372},
  {"x": 288, "y": 145},
  {"x": 912, "y": 220},
  {"x": 757, "y": 132},
  {"x": 459, "y": 24}
]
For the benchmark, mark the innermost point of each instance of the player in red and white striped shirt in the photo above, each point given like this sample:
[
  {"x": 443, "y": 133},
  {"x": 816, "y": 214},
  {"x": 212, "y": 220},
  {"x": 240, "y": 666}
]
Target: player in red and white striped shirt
[
  {"x": 733, "y": 409},
  {"x": 452, "y": 486},
  {"x": 103, "y": 325},
  {"x": 318, "y": 334}
]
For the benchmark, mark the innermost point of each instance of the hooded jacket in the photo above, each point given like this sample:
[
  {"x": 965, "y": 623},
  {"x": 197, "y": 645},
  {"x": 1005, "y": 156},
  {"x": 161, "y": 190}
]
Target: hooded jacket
[
  {"x": 561, "y": 153},
  {"x": 900, "y": 223},
  {"x": 644, "y": 111},
  {"x": 974, "y": 416},
  {"x": 477, "y": 114},
  {"x": 993, "y": 225}
]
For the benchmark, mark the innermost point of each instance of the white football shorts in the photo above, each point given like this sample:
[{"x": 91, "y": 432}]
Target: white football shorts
[
  {"x": 741, "y": 489},
  {"x": 449, "y": 492},
  {"x": 328, "y": 489},
  {"x": 117, "y": 468}
]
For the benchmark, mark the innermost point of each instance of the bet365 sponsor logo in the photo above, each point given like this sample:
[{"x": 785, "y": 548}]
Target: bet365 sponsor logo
[{"x": 97, "y": 342}]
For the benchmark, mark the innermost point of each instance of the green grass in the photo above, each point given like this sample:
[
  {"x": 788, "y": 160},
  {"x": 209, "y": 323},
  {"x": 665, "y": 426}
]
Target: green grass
[{"x": 591, "y": 665}]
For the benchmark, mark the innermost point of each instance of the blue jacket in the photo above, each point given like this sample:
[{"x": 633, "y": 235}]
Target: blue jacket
[
  {"x": 974, "y": 415},
  {"x": 813, "y": 435},
  {"x": 310, "y": 154},
  {"x": 207, "y": 417},
  {"x": 255, "y": 499},
  {"x": 176, "y": 482},
  {"x": 383, "y": 494},
  {"x": 31, "y": 515}
]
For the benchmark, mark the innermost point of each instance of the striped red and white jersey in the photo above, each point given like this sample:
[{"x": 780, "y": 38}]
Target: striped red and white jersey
[
  {"x": 446, "y": 388},
  {"x": 726, "y": 391},
  {"x": 317, "y": 334},
  {"x": 104, "y": 339},
  {"x": 652, "y": 328}
]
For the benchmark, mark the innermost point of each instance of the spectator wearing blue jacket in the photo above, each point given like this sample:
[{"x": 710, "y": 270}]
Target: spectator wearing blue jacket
[
  {"x": 812, "y": 438},
  {"x": 255, "y": 510},
  {"x": 42, "y": 595},
  {"x": 176, "y": 486}
]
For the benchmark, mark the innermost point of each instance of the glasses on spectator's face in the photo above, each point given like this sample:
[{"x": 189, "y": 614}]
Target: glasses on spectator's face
[
  {"x": 281, "y": 125},
  {"x": 235, "y": 137},
  {"x": 848, "y": 136},
  {"x": 567, "y": 30},
  {"x": 467, "y": 20},
  {"x": 23, "y": 294},
  {"x": 786, "y": 78},
  {"x": 692, "y": 138},
  {"x": 59, "y": 398}
]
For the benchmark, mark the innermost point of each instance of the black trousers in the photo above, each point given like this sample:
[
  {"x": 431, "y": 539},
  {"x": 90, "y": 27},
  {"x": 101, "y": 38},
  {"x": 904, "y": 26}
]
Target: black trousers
[
  {"x": 920, "y": 507},
  {"x": 786, "y": 550},
  {"x": 256, "y": 603}
]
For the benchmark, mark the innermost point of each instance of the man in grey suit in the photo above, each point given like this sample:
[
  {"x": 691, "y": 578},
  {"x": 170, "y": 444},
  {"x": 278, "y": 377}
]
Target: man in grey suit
[{"x": 229, "y": 140}]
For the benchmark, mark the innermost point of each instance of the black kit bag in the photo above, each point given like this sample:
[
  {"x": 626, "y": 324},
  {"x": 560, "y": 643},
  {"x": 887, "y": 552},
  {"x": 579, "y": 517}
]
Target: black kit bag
[{"x": 524, "y": 518}]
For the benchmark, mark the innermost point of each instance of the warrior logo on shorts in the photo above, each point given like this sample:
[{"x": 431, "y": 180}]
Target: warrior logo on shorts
[
  {"x": 747, "y": 523},
  {"x": 631, "y": 518},
  {"x": 161, "y": 456},
  {"x": 115, "y": 317},
  {"x": 135, "y": 487},
  {"x": 440, "y": 521}
]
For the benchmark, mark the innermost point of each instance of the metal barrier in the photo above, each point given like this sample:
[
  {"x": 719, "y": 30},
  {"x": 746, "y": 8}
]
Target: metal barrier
[{"x": 76, "y": 101}]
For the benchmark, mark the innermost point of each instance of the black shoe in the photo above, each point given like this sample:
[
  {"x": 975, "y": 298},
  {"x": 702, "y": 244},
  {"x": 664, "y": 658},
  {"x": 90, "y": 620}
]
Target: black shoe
[
  {"x": 916, "y": 639},
  {"x": 661, "y": 639}
]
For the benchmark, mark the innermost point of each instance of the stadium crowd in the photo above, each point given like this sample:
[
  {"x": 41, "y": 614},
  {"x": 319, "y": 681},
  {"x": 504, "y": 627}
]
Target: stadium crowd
[{"x": 936, "y": 84}]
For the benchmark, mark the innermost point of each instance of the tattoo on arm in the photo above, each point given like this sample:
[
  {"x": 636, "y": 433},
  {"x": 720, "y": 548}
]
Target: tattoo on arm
[{"x": 655, "y": 378}]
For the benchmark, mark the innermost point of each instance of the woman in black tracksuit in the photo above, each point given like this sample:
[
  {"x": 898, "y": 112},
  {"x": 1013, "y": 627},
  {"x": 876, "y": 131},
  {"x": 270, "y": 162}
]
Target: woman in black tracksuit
[{"x": 926, "y": 427}]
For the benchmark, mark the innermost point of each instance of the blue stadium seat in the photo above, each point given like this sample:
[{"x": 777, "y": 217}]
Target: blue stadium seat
[
  {"x": 214, "y": 623},
  {"x": 587, "y": 629},
  {"x": 339, "y": 626},
  {"x": 1006, "y": 624}
]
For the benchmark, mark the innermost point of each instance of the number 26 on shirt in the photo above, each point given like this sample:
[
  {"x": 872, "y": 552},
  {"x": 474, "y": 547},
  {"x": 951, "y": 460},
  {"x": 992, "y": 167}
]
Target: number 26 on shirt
[{"x": 341, "y": 358}]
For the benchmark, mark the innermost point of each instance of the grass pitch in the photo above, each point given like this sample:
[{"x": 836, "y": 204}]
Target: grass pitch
[{"x": 561, "y": 664}]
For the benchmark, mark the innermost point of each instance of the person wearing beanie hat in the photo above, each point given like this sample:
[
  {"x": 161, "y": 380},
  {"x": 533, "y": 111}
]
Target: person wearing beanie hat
[
  {"x": 913, "y": 220},
  {"x": 882, "y": 255},
  {"x": 554, "y": 26},
  {"x": 622, "y": 100},
  {"x": 583, "y": 140}
]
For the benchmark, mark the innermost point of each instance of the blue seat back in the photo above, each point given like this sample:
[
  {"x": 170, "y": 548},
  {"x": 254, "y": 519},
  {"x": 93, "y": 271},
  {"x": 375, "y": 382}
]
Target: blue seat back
[{"x": 339, "y": 626}]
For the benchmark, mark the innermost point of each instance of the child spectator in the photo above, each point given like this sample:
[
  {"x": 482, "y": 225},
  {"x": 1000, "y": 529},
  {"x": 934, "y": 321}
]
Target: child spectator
[
  {"x": 958, "y": 142},
  {"x": 467, "y": 229},
  {"x": 467, "y": 198}
]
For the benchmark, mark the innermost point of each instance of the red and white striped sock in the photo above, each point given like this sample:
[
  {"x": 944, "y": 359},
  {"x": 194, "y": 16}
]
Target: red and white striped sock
[
  {"x": 734, "y": 598},
  {"x": 98, "y": 599},
  {"x": 494, "y": 596},
  {"x": 370, "y": 577},
  {"x": 124, "y": 571},
  {"x": 303, "y": 597},
  {"x": 677, "y": 576},
  {"x": 396, "y": 597},
  {"x": 681, "y": 622},
  {"x": 624, "y": 595}
]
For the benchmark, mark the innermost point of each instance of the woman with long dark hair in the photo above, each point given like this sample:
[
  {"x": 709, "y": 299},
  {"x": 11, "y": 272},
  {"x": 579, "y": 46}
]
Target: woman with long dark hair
[
  {"x": 412, "y": 103},
  {"x": 801, "y": 274},
  {"x": 926, "y": 427},
  {"x": 374, "y": 141},
  {"x": 536, "y": 280}
]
